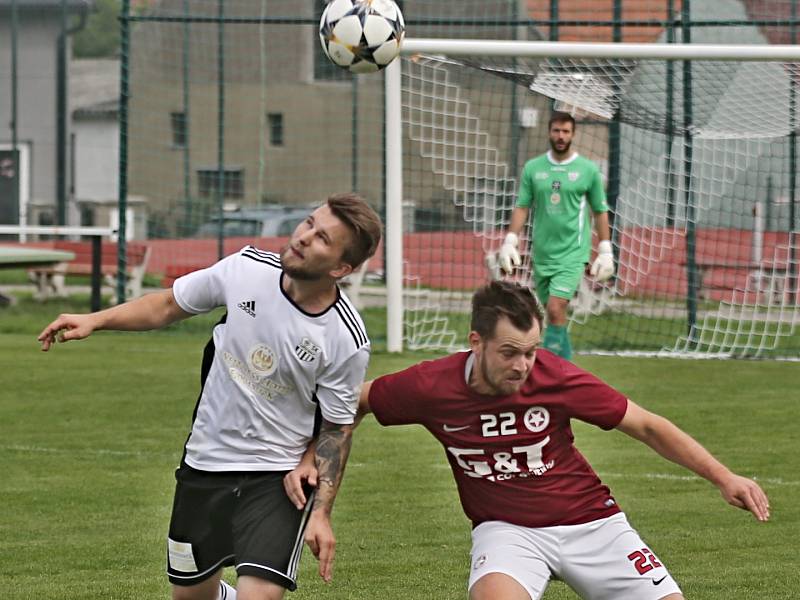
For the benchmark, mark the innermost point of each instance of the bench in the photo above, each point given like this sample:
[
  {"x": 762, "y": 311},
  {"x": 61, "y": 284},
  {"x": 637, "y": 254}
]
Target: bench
[{"x": 51, "y": 281}]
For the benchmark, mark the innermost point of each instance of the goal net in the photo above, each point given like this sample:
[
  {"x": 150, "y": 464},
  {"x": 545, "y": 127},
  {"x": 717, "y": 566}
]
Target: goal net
[
  {"x": 235, "y": 122},
  {"x": 699, "y": 160}
]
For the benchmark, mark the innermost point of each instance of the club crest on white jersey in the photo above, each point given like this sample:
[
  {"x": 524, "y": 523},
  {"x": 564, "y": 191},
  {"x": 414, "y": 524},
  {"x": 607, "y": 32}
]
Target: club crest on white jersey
[
  {"x": 306, "y": 350},
  {"x": 262, "y": 360}
]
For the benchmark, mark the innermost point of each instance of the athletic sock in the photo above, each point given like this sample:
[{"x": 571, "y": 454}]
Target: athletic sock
[
  {"x": 556, "y": 339},
  {"x": 226, "y": 592}
]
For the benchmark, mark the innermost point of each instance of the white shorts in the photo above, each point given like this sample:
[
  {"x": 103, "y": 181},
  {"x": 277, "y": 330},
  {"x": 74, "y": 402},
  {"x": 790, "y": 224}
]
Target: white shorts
[{"x": 601, "y": 560}]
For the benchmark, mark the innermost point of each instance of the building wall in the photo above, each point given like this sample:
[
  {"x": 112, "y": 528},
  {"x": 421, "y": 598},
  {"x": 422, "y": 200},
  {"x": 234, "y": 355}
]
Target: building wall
[
  {"x": 96, "y": 158},
  {"x": 36, "y": 104}
]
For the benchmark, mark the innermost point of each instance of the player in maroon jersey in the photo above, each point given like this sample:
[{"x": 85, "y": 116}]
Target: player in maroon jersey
[{"x": 502, "y": 412}]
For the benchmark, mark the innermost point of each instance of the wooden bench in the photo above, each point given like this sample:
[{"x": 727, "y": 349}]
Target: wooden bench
[{"x": 51, "y": 281}]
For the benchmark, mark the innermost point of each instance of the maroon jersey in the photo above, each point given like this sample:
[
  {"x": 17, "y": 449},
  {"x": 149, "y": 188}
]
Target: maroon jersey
[{"x": 513, "y": 457}]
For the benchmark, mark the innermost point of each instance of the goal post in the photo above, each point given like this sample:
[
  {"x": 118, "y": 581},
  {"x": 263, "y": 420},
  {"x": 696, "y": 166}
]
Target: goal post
[{"x": 705, "y": 217}]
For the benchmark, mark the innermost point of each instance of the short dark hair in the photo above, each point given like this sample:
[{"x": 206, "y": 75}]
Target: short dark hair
[
  {"x": 561, "y": 117},
  {"x": 504, "y": 298},
  {"x": 363, "y": 222}
]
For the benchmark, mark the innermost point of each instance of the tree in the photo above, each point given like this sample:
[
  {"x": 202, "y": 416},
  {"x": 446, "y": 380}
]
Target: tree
[{"x": 100, "y": 37}]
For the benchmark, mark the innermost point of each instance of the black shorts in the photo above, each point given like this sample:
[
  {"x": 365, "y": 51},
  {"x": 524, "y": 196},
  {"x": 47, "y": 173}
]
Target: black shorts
[{"x": 234, "y": 519}]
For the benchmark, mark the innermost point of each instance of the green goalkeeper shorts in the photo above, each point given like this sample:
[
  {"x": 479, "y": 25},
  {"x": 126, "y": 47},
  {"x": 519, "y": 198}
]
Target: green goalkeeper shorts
[{"x": 561, "y": 281}]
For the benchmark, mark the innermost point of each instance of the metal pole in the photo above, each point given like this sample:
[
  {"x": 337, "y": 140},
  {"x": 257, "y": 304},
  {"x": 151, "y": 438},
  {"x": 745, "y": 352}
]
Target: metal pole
[
  {"x": 186, "y": 58},
  {"x": 793, "y": 225},
  {"x": 124, "y": 94},
  {"x": 97, "y": 262},
  {"x": 61, "y": 120},
  {"x": 221, "y": 128},
  {"x": 14, "y": 123},
  {"x": 354, "y": 134},
  {"x": 514, "y": 121},
  {"x": 769, "y": 204},
  {"x": 553, "y": 36},
  {"x": 691, "y": 233},
  {"x": 614, "y": 126},
  {"x": 669, "y": 174}
]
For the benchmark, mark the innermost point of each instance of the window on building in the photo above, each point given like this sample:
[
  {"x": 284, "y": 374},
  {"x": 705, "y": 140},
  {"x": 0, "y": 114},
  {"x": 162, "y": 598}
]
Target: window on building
[
  {"x": 179, "y": 134},
  {"x": 275, "y": 123},
  {"x": 232, "y": 182}
]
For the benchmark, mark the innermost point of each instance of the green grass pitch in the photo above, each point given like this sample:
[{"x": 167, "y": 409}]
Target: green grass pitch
[{"x": 91, "y": 432}]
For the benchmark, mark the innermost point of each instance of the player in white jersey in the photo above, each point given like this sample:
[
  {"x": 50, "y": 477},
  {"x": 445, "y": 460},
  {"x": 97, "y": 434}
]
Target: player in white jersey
[{"x": 283, "y": 366}]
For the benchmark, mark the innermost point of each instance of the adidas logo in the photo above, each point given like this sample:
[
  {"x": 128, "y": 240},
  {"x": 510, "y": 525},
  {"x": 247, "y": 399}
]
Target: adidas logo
[{"x": 249, "y": 307}]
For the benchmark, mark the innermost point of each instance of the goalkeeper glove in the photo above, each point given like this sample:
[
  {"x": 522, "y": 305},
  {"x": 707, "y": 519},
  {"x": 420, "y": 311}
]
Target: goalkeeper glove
[
  {"x": 603, "y": 266},
  {"x": 508, "y": 257}
]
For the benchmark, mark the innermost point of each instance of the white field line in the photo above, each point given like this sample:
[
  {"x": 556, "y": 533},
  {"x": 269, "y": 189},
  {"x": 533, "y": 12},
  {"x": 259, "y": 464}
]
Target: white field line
[
  {"x": 673, "y": 477},
  {"x": 666, "y": 476},
  {"x": 143, "y": 454},
  {"x": 82, "y": 451}
]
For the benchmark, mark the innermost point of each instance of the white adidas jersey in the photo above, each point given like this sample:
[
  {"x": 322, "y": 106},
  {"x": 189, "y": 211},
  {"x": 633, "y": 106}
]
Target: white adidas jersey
[{"x": 269, "y": 368}]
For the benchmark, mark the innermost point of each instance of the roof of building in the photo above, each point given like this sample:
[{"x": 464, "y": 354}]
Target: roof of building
[{"x": 94, "y": 86}]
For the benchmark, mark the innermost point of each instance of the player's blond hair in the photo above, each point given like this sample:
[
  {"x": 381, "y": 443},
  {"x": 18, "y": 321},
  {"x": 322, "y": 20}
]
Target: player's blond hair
[{"x": 362, "y": 221}]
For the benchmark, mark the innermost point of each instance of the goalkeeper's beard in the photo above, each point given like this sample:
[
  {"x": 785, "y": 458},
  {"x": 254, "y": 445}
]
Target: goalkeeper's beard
[{"x": 563, "y": 152}]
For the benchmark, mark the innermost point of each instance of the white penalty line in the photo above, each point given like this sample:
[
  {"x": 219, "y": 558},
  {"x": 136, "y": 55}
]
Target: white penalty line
[{"x": 82, "y": 451}]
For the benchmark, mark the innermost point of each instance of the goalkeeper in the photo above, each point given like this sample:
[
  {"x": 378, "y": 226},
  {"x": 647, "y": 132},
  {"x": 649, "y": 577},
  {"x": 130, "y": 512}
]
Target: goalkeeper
[{"x": 560, "y": 186}]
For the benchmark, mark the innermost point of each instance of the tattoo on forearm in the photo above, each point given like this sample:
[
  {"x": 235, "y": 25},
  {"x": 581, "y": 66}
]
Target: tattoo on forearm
[{"x": 333, "y": 448}]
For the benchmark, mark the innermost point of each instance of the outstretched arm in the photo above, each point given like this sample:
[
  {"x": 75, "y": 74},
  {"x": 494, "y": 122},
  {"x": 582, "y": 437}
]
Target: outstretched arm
[
  {"x": 678, "y": 446},
  {"x": 148, "y": 312}
]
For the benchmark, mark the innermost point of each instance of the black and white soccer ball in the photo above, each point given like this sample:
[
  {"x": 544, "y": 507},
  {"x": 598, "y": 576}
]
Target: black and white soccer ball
[{"x": 362, "y": 36}]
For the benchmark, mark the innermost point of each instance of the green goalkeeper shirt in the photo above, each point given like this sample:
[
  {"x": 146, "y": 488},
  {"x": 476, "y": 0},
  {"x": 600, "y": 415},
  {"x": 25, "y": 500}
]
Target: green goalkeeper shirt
[{"x": 558, "y": 194}]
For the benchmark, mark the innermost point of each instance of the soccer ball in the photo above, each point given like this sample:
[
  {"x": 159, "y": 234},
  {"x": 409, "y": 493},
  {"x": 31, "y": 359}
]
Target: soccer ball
[{"x": 362, "y": 36}]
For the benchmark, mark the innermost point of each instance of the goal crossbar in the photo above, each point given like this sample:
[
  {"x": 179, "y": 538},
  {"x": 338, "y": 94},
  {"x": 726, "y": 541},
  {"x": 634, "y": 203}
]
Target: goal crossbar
[{"x": 621, "y": 50}]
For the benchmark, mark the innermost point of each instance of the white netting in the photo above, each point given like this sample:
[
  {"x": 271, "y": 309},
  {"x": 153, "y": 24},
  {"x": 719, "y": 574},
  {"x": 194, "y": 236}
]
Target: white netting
[{"x": 700, "y": 270}]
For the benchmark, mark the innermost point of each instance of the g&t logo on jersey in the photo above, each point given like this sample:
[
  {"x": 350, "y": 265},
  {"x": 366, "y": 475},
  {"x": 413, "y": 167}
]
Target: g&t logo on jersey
[
  {"x": 515, "y": 461},
  {"x": 262, "y": 360}
]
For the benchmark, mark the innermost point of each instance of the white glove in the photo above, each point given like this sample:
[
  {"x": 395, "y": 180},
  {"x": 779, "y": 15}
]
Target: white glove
[
  {"x": 603, "y": 266},
  {"x": 495, "y": 274},
  {"x": 508, "y": 257}
]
